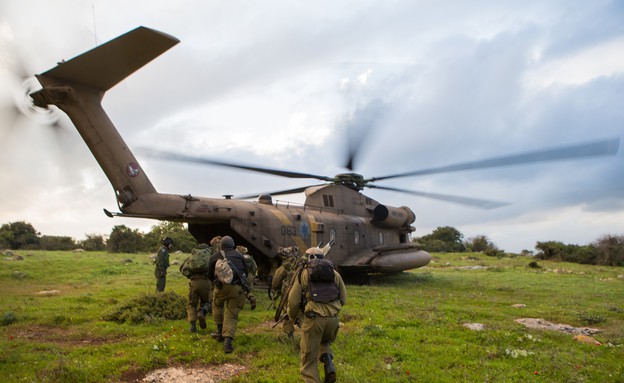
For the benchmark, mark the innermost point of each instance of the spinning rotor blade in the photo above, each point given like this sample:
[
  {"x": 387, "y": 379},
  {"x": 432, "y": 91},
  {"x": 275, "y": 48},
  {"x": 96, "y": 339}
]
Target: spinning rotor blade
[
  {"x": 280, "y": 192},
  {"x": 17, "y": 109},
  {"x": 480, "y": 203},
  {"x": 598, "y": 148},
  {"x": 161, "y": 154}
]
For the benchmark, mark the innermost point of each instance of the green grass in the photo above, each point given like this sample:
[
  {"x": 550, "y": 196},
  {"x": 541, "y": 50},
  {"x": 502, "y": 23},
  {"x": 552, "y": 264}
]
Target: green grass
[{"x": 403, "y": 328}]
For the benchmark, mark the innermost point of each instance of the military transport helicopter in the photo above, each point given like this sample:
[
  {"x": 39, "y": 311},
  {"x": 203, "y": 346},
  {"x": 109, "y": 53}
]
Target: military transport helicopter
[{"x": 368, "y": 236}]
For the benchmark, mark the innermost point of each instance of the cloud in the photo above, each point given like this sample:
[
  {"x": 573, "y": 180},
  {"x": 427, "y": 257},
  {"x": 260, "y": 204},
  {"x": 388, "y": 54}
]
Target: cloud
[{"x": 402, "y": 85}]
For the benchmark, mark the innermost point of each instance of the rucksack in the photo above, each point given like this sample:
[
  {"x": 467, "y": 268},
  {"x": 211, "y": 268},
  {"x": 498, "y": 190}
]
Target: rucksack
[
  {"x": 197, "y": 263},
  {"x": 251, "y": 264},
  {"x": 322, "y": 283},
  {"x": 223, "y": 270}
]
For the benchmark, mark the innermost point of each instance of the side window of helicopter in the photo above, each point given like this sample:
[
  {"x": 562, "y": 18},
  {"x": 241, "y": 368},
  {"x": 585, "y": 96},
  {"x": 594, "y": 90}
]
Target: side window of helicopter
[
  {"x": 381, "y": 238},
  {"x": 328, "y": 200},
  {"x": 357, "y": 237}
]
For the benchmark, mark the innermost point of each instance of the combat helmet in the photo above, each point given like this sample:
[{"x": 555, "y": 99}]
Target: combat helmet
[
  {"x": 227, "y": 243},
  {"x": 314, "y": 252},
  {"x": 168, "y": 241}
]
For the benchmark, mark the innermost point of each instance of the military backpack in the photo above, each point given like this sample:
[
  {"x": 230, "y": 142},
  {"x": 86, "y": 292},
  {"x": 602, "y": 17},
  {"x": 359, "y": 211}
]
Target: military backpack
[
  {"x": 322, "y": 281},
  {"x": 197, "y": 263},
  {"x": 223, "y": 270}
]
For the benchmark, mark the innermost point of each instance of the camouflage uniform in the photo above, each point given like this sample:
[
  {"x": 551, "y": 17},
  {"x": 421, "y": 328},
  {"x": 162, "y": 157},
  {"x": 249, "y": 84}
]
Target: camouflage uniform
[
  {"x": 200, "y": 291},
  {"x": 319, "y": 327},
  {"x": 228, "y": 299},
  {"x": 281, "y": 282},
  {"x": 252, "y": 267},
  {"x": 162, "y": 264}
]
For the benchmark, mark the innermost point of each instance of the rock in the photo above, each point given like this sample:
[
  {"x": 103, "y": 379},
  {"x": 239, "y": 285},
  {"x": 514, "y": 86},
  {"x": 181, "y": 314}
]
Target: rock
[
  {"x": 543, "y": 324},
  {"x": 586, "y": 339},
  {"x": 474, "y": 326}
]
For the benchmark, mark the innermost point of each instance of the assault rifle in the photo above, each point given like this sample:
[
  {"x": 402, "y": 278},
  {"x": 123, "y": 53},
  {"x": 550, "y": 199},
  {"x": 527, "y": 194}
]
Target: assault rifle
[{"x": 284, "y": 298}]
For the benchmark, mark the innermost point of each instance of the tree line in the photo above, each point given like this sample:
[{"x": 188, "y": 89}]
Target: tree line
[
  {"x": 122, "y": 239},
  {"x": 607, "y": 250}
]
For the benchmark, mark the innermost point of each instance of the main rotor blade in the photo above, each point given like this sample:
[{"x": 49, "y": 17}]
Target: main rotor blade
[
  {"x": 480, "y": 203},
  {"x": 598, "y": 148},
  {"x": 280, "y": 192},
  {"x": 166, "y": 155}
]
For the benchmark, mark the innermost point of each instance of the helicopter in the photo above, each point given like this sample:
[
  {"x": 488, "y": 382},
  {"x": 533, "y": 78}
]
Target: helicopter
[{"x": 368, "y": 237}]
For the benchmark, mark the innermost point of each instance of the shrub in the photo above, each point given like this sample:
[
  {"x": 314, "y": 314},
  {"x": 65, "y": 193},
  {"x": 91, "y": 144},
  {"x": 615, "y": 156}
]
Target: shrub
[
  {"x": 8, "y": 318},
  {"x": 148, "y": 308},
  {"x": 610, "y": 250}
]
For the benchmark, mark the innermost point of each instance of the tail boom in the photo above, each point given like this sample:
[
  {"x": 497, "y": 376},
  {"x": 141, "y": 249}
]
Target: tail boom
[{"x": 78, "y": 86}]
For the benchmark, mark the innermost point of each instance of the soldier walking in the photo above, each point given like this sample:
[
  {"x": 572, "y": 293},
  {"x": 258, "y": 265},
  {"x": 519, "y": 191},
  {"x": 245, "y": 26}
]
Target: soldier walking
[
  {"x": 229, "y": 297},
  {"x": 319, "y": 292},
  {"x": 281, "y": 284},
  {"x": 195, "y": 268}
]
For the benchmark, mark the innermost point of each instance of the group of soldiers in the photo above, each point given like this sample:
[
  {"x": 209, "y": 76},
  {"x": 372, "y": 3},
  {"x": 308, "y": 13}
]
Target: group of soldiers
[{"x": 310, "y": 293}]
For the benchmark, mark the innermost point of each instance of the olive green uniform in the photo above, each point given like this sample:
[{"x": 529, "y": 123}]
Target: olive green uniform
[
  {"x": 280, "y": 282},
  {"x": 200, "y": 287},
  {"x": 228, "y": 299},
  {"x": 162, "y": 264},
  {"x": 320, "y": 324},
  {"x": 199, "y": 295}
]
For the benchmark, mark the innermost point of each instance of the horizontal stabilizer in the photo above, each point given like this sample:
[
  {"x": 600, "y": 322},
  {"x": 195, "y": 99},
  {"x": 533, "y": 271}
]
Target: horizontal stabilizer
[{"x": 108, "y": 64}]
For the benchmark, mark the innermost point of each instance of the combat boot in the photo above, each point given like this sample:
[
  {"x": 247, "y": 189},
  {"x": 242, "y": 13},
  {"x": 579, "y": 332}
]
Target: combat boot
[
  {"x": 330, "y": 369},
  {"x": 252, "y": 302},
  {"x": 218, "y": 335},
  {"x": 227, "y": 345},
  {"x": 202, "y": 318},
  {"x": 193, "y": 328}
]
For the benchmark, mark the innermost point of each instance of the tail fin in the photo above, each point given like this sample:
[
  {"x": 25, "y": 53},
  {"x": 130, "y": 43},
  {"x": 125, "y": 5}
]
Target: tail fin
[
  {"x": 77, "y": 87},
  {"x": 108, "y": 64}
]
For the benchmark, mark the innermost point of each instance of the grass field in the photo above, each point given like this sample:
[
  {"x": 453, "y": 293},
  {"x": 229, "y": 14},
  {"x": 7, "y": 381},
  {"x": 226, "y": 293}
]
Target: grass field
[{"x": 403, "y": 328}]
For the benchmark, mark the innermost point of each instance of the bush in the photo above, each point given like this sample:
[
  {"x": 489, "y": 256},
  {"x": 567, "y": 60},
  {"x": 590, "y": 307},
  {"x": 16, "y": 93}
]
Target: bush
[
  {"x": 445, "y": 239},
  {"x": 607, "y": 251},
  {"x": 51, "y": 242},
  {"x": 148, "y": 308},
  {"x": 125, "y": 240},
  {"x": 8, "y": 318},
  {"x": 610, "y": 250}
]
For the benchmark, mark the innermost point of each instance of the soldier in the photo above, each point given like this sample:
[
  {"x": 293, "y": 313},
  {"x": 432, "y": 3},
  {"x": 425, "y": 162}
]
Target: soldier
[
  {"x": 253, "y": 269},
  {"x": 229, "y": 298},
  {"x": 162, "y": 264},
  {"x": 215, "y": 244},
  {"x": 281, "y": 283},
  {"x": 195, "y": 268},
  {"x": 319, "y": 292}
]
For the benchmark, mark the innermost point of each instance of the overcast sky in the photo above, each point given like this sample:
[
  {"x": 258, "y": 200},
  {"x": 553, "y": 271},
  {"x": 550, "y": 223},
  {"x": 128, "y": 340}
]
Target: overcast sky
[{"x": 284, "y": 84}]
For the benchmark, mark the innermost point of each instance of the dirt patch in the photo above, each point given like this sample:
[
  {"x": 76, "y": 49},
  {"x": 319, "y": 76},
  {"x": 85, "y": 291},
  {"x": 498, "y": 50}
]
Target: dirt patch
[
  {"x": 60, "y": 336},
  {"x": 194, "y": 374}
]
